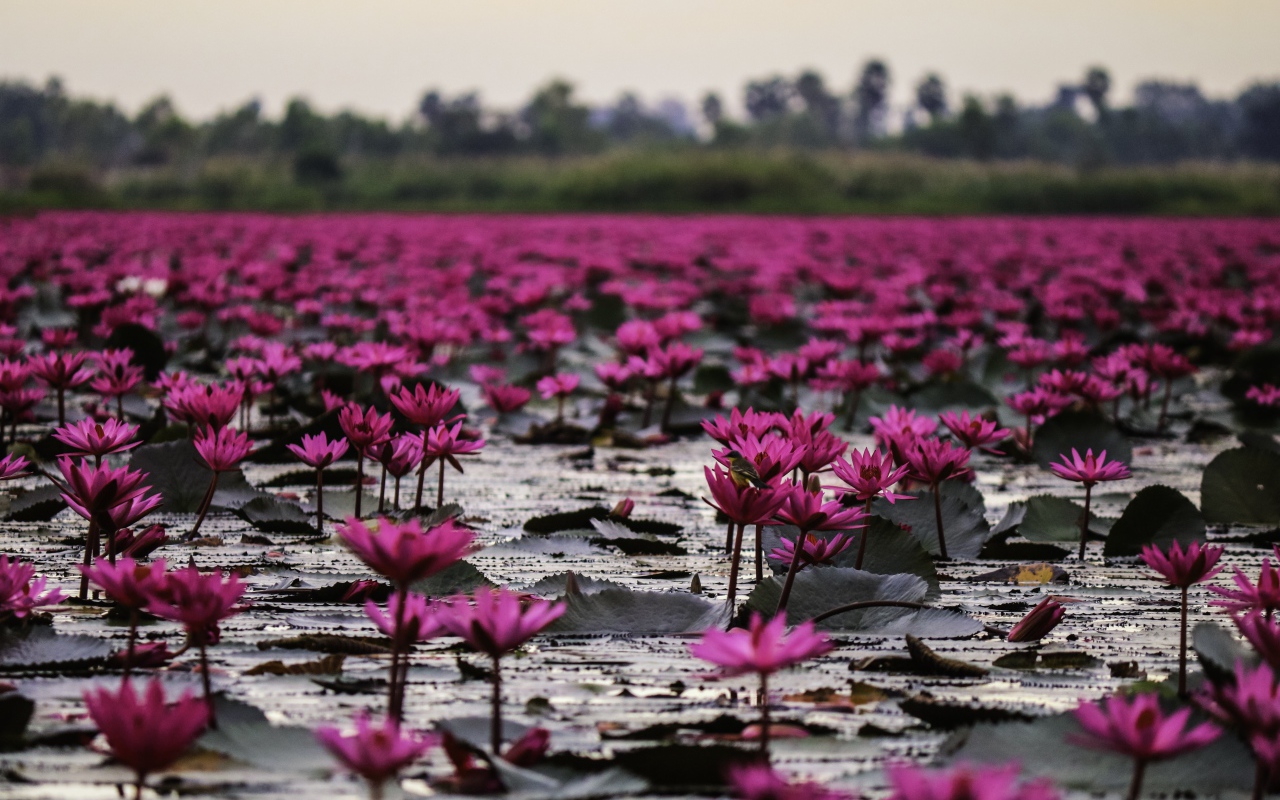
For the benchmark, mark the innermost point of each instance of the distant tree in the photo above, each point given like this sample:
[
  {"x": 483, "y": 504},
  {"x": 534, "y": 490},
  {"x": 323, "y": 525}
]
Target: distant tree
[
  {"x": 302, "y": 128},
  {"x": 820, "y": 104},
  {"x": 556, "y": 124},
  {"x": 769, "y": 98},
  {"x": 1260, "y": 128},
  {"x": 871, "y": 95},
  {"x": 458, "y": 126},
  {"x": 1097, "y": 83},
  {"x": 977, "y": 129},
  {"x": 931, "y": 95},
  {"x": 163, "y": 130},
  {"x": 712, "y": 108}
]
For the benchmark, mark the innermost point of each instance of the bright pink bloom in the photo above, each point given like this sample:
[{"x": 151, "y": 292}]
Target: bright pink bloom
[
  {"x": 676, "y": 360},
  {"x": 614, "y": 376},
  {"x": 1038, "y": 621},
  {"x": 870, "y": 474},
  {"x": 403, "y": 552},
  {"x": 200, "y": 601},
  {"x": 214, "y": 405},
  {"x": 422, "y": 619},
  {"x": 1089, "y": 469},
  {"x": 13, "y": 466},
  {"x": 760, "y": 782},
  {"x": 506, "y": 398},
  {"x": 738, "y": 426},
  {"x": 820, "y": 447},
  {"x": 974, "y": 432},
  {"x": 746, "y": 506},
  {"x": 816, "y": 550},
  {"x": 901, "y": 426},
  {"x": 425, "y": 406},
  {"x": 1251, "y": 702},
  {"x": 447, "y": 443},
  {"x": 1138, "y": 728},
  {"x": 223, "y": 449},
  {"x": 375, "y": 754},
  {"x": 773, "y": 456},
  {"x": 90, "y": 438},
  {"x": 965, "y": 782},
  {"x": 933, "y": 461},
  {"x": 1263, "y": 632},
  {"x": 497, "y": 622},
  {"x": 401, "y": 454},
  {"x": 1265, "y": 395},
  {"x": 127, "y": 582},
  {"x": 145, "y": 733},
  {"x": 1265, "y": 596},
  {"x": 61, "y": 370},
  {"x": 317, "y": 451},
  {"x": 762, "y": 649},
  {"x": 365, "y": 429},
  {"x": 1184, "y": 568},
  {"x": 560, "y": 385},
  {"x": 104, "y": 495},
  {"x": 21, "y": 592},
  {"x": 808, "y": 512}
]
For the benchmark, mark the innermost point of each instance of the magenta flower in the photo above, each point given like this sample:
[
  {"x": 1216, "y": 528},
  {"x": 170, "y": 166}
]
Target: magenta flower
[
  {"x": 1251, "y": 703},
  {"x": 425, "y": 406},
  {"x": 403, "y": 552},
  {"x": 376, "y": 754},
  {"x": 420, "y": 622},
  {"x": 1038, "y": 621},
  {"x": 213, "y": 405},
  {"x": 1264, "y": 596},
  {"x": 965, "y": 782},
  {"x": 763, "y": 648},
  {"x": 506, "y": 398},
  {"x": 400, "y": 456},
  {"x": 974, "y": 432},
  {"x": 900, "y": 427},
  {"x": 1089, "y": 470},
  {"x": 1138, "y": 728},
  {"x": 740, "y": 425},
  {"x": 13, "y": 466},
  {"x": 110, "y": 499},
  {"x": 318, "y": 452},
  {"x": 745, "y": 506},
  {"x": 61, "y": 371},
  {"x": 1184, "y": 568},
  {"x": 90, "y": 438},
  {"x": 1263, "y": 632},
  {"x": 21, "y": 592},
  {"x": 132, "y": 586},
  {"x": 145, "y": 733},
  {"x": 1266, "y": 394},
  {"x": 614, "y": 376},
  {"x": 871, "y": 474},
  {"x": 200, "y": 601},
  {"x": 815, "y": 551},
  {"x": 364, "y": 430},
  {"x": 445, "y": 444},
  {"x": 773, "y": 457},
  {"x": 222, "y": 450},
  {"x": 495, "y": 623},
  {"x": 808, "y": 511},
  {"x": 760, "y": 782}
]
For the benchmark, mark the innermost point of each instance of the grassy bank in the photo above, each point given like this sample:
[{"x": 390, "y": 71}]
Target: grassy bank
[{"x": 678, "y": 181}]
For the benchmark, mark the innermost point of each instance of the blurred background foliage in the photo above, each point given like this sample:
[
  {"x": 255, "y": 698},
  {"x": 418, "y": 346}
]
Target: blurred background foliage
[{"x": 802, "y": 146}]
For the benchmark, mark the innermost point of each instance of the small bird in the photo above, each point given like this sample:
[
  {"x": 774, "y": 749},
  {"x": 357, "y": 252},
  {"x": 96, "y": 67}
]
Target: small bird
[{"x": 742, "y": 472}]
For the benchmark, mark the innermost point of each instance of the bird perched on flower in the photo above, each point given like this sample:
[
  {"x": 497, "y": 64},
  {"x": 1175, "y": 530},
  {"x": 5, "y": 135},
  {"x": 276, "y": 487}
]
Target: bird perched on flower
[{"x": 742, "y": 472}]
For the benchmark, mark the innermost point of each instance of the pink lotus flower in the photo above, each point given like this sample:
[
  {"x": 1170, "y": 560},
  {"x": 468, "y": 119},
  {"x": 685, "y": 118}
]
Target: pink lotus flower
[
  {"x": 746, "y": 506},
  {"x": 1038, "y": 621},
  {"x": 740, "y": 425},
  {"x": 21, "y": 592},
  {"x": 365, "y": 430},
  {"x": 1089, "y": 470},
  {"x": 762, "y": 649},
  {"x": 1266, "y": 395},
  {"x": 403, "y": 552},
  {"x": 974, "y": 432},
  {"x": 506, "y": 399},
  {"x": 61, "y": 371},
  {"x": 222, "y": 450},
  {"x": 809, "y": 512},
  {"x": 145, "y": 733},
  {"x": 317, "y": 451},
  {"x": 495, "y": 623},
  {"x": 1251, "y": 704},
  {"x": 773, "y": 456},
  {"x": 1184, "y": 568},
  {"x": 900, "y": 427},
  {"x": 815, "y": 551},
  {"x": 425, "y": 406},
  {"x": 13, "y": 466},
  {"x": 127, "y": 582},
  {"x": 1138, "y": 728},
  {"x": 376, "y": 754},
  {"x": 760, "y": 782},
  {"x": 1262, "y": 632},
  {"x": 965, "y": 782},
  {"x": 1264, "y": 596},
  {"x": 212, "y": 405},
  {"x": 420, "y": 618},
  {"x": 445, "y": 444},
  {"x": 90, "y": 438},
  {"x": 871, "y": 474}
]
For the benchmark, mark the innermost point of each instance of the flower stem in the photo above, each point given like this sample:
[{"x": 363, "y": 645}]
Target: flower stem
[
  {"x": 440, "y": 488},
  {"x": 831, "y": 612},
  {"x": 133, "y": 638},
  {"x": 382, "y": 490},
  {"x": 1261, "y": 779},
  {"x": 728, "y": 539},
  {"x": 88, "y": 557},
  {"x": 733, "y": 566},
  {"x": 764, "y": 715},
  {"x": 422, "y": 471},
  {"x": 791, "y": 573},
  {"x": 937, "y": 514},
  {"x": 1084, "y": 522},
  {"x": 495, "y": 723},
  {"x": 395, "y": 700},
  {"x": 208, "y": 691},
  {"x": 862, "y": 545},
  {"x": 1164, "y": 406},
  {"x": 1182, "y": 649},
  {"x": 671, "y": 403},
  {"x": 204, "y": 505},
  {"x": 1135, "y": 786},
  {"x": 359, "y": 480},
  {"x": 759, "y": 553},
  {"x": 320, "y": 500}
]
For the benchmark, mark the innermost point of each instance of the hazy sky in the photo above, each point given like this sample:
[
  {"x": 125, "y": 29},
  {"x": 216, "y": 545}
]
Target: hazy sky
[{"x": 378, "y": 55}]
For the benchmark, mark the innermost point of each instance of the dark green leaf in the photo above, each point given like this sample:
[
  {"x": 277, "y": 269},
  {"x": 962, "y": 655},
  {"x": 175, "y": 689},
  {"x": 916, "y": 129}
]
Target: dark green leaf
[
  {"x": 245, "y": 734},
  {"x": 175, "y": 470},
  {"x": 890, "y": 551},
  {"x": 1156, "y": 515},
  {"x": 963, "y": 524},
  {"x": 1050, "y": 519},
  {"x": 148, "y": 348},
  {"x": 1219, "y": 650},
  {"x": 1081, "y": 431},
  {"x": 273, "y": 515},
  {"x": 38, "y": 649},
  {"x": 459, "y": 578},
  {"x": 963, "y": 396},
  {"x": 1242, "y": 486},
  {"x": 626, "y": 611},
  {"x": 41, "y": 504}
]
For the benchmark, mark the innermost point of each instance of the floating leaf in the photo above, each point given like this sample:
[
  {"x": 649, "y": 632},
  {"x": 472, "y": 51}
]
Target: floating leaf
[
  {"x": 949, "y": 715},
  {"x": 1048, "y": 744},
  {"x": 16, "y": 710},
  {"x": 148, "y": 348},
  {"x": 40, "y": 504},
  {"x": 1157, "y": 515},
  {"x": 963, "y": 523},
  {"x": 278, "y": 452},
  {"x": 961, "y": 396},
  {"x": 554, "y": 585},
  {"x": 890, "y": 551},
  {"x": 461, "y": 577},
  {"x": 1082, "y": 431},
  {"x": 684, "y": 769},
  {"x": 331, "y": 643},
  {"x": 1242, "y": 486},
  {"x": 245, "y": 734},
  {"x": 626, "y": 611},
  {"x": 1050, "y": 519},
  {"x": 175, "y": 470},
  {"x": 582, "y": 518},
  {"x": 38, "y": 649},
  {"x": 1219, "y": 650},
  {"x": 273, "y": 515},
  {"x": 329, "y": 665}
]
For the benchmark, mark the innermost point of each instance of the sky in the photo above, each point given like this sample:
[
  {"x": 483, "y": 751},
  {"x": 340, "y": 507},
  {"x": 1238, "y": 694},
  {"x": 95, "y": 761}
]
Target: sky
[{"x": 379, "y": 55}]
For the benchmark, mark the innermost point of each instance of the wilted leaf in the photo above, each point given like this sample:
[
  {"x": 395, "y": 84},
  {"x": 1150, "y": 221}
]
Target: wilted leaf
[
  {"x": 929, "y": 662},
  {"x": 1157, "y": 515},
  {"x": 329, "y": 665},
  {"x": 273, "y": 515},
  {"x": 1082, "y": 431},
  {"x": 1242, "y": 486},
  {"x": 625, "y": 611}
]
